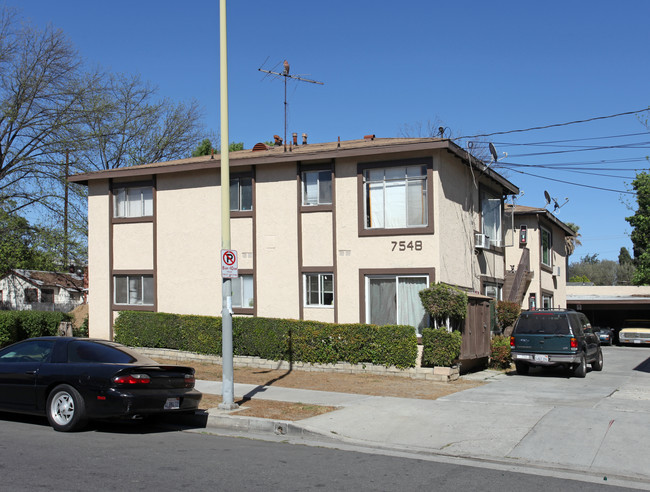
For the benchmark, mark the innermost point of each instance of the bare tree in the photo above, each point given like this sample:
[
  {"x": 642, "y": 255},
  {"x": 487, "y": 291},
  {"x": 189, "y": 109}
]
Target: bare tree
[
  {"x": 41, "y": 87},
  {"x": 124, "y": 125}
]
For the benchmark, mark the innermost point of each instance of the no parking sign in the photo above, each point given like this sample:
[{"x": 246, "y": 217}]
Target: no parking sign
[{"x": 229, "y": 263}]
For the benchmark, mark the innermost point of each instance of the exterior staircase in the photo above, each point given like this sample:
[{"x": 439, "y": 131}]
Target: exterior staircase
[{"x": 517, "y": 281}]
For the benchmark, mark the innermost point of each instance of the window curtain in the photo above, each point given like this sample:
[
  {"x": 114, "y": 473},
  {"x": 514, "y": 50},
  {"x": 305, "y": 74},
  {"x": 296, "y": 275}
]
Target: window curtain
[
  {"x": 411, "y": 312},
  {"x": 383, "y": 302}
]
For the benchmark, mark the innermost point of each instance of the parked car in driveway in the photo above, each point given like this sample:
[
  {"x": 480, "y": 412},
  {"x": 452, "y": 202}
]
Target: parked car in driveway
[
  {"x": 635, "y": 332},
  {"x": 71, "y": 380},
  {"x": 555, "y": 337},
  {"x": 605, "y": 335}
]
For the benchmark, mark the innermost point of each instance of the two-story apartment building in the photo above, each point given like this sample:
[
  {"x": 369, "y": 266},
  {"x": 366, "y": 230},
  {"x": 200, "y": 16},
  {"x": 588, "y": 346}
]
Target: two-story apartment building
[
  {"x": 340, "y": 232},
  {"x": 536, "y": 264}
]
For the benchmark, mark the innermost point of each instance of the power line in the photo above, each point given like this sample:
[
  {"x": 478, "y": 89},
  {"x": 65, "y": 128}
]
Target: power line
[
  {"x": 555, "y": 125},
  {"x": 572, "y": 183},
  {"x": 508, "y": 144}
]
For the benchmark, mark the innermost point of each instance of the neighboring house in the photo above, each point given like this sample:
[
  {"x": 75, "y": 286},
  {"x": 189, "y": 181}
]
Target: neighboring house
[
  {"x": 536, "y": 264},
  {"x": 41, "y": 291},
  {"x": 341, "y": 232},
  {"x": 608, "y": 306}
]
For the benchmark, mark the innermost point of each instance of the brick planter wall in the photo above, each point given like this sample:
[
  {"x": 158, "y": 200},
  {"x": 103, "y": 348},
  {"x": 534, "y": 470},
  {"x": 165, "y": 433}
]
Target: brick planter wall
[{"x": 443, "y": 374}]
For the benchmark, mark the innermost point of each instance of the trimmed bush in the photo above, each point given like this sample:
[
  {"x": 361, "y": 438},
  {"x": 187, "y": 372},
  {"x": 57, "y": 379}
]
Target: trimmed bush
[
  {"x": 444, "y": 302},
  {"x": 440, "y": 347},
  {"x": 507, "y": 313},
  {"x": 271, "y": 338},
  {"x": 500, "y": 357},
  {"x": 20, "y": 325}
]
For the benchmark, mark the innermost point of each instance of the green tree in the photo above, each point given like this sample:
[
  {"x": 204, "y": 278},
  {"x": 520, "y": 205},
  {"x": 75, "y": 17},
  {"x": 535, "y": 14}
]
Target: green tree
[
  {"x": 206, "y": 148},
  {"x": 21, "y": 245},
  {"x": 640, "y": 223},
  {"x": 572, "y": 242},
  {"x": 624, "y": 257},
  {"x": 600, "y": 272}
]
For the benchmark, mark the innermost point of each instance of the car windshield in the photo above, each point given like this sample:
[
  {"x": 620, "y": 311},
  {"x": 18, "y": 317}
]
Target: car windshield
[
  {"x": 542, "y": 324},
  {"x": 92, "y": 352}
]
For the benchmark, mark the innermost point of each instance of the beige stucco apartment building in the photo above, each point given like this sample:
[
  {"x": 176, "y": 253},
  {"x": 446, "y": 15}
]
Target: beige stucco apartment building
[{"x": 339, "y": 232}]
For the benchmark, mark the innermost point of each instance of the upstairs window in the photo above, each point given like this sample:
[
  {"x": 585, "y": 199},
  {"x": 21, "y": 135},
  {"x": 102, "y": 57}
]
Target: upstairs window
[
  {"x": 395, "y": 197},
  {"x": 241, "y": 194},
  {"x": 546, "y": 246},
  {"x": 134, "y": 201},
  {"x": 317, "y": 188},
  {"x": 491, "y": 218}
]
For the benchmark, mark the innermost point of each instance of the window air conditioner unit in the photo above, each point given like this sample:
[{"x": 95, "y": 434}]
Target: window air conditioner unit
[
  {"x": 556, "y": 271},
  {"x": 481, "y": 241}
]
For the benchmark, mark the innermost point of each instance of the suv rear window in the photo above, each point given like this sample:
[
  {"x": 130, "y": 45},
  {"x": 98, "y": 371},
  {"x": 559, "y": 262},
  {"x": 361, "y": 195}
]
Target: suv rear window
[{"x": 542, "y": 324}]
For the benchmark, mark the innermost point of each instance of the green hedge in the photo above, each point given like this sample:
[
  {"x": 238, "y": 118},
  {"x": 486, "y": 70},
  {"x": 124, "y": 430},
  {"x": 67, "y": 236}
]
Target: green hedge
[
  {"x": 440, "y": 347},
  {"x": 271, "y": 338},
  {"x": 19, "y": 325}
]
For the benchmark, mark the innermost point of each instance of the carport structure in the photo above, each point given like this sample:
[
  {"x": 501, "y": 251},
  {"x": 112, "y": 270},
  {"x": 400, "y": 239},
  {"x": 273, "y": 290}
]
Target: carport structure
[{"x": 609, "y": 305}]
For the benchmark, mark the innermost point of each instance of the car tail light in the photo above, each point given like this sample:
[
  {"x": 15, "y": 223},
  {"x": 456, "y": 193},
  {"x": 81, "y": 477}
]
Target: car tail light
[
  {"x": 512, "y": 342},
  {"x": 132, "y": 379},
  {"x": 574, "y": 343},
  {"x": 189, "y": 380}
]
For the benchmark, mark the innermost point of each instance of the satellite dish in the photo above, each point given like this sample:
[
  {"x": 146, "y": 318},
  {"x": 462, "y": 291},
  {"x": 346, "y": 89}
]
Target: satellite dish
[
  {"x": 493, "y": 151},
  {"x": 548, "y": 197}
]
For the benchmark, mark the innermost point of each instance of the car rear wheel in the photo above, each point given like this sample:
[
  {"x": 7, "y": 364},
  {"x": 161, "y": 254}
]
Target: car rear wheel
[
  {"x": 580, "y": 370},
  {"x": 597, "y": 365},
  {"x": 522, "y": 368},
  {"x": 66, "y": 410}
]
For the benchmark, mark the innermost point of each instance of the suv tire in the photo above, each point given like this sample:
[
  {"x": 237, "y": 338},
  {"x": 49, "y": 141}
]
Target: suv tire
[
  {"x": 522, "y": 368},
  {"x": 597, "y": 365},
  {"x": 580, "y": 371}
]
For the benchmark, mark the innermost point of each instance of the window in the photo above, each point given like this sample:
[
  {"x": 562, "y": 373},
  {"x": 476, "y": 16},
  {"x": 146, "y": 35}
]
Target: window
[
  {"x": 493, "y": 290},
  {"x": 241, "y": 194},
  {"x": 547, "y": 301},
  {"x": 47, "y": 295},
  {"x": 93, "y": 352},
  {"x": 31, "y": 295},
  {"x": 319, "y": 289},
  {"x": 134, "y": 201},
  {"x": 242, "y": 292},
  {"x": 134, "y": 289},
  {"x": 491, "y": 217},
  {"x": 395, "y": 300},
  {"x": 395, "y": 197},
  {"x": 546, "y": 247},
  {"x": 317, "y": 188},
  {"x": 28, "y": 351}
]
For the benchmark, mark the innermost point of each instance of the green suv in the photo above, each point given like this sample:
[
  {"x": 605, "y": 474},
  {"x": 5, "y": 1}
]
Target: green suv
[{"x": 555, "y": 338}]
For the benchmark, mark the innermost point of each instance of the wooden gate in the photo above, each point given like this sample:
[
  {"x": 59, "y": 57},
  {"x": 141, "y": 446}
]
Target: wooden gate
[{"x": 475, "y": 348}]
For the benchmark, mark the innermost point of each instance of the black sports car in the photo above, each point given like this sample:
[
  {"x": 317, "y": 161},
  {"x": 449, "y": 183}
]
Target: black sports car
[{"x": 72, "y": 380}]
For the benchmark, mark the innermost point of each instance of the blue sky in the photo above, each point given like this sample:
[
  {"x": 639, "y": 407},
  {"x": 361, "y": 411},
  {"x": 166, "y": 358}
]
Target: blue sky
[{"x": 474, "y": 67}]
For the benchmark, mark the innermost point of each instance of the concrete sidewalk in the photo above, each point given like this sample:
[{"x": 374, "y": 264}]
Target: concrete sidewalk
[{"x": 605, "y": 439}]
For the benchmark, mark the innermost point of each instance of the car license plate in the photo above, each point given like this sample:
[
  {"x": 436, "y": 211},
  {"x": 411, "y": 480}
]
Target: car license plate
[
  {"x": 172, "y": 404},
  {"x": 637, "y": 341},
  {"x": 541, "y": 358}
]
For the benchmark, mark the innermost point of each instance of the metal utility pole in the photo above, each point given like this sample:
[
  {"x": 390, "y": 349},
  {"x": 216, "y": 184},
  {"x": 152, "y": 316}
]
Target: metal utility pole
[
  {"x": 285, "y": 74},
  {"x": 228, "y": 384}
]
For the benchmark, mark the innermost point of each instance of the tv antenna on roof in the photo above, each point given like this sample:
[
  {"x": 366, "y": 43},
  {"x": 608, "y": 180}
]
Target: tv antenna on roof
[{"x": 286, "y": 75}]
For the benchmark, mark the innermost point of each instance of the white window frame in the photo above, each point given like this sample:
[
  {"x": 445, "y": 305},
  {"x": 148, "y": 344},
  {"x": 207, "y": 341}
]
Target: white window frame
[
  {"x": 546, "y": 297},
  {"x": 313, "y": 192},
  {"x": 397, "y": 278},
  {"x": 238, "y": 196},
  {"x": 321, "y": 291},
  {"x": 241, "y": 287},
  {"x": 133, "y": 201},
  {"x": 137, "y": 290},
  {"x": 394, "y": 183},
  {"x": 542, "y": 232},
  {"x": 491, "y": 217}
]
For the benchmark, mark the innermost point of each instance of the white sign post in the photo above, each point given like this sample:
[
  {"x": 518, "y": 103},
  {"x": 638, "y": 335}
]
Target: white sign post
[{"x": 229, "y": 265}]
